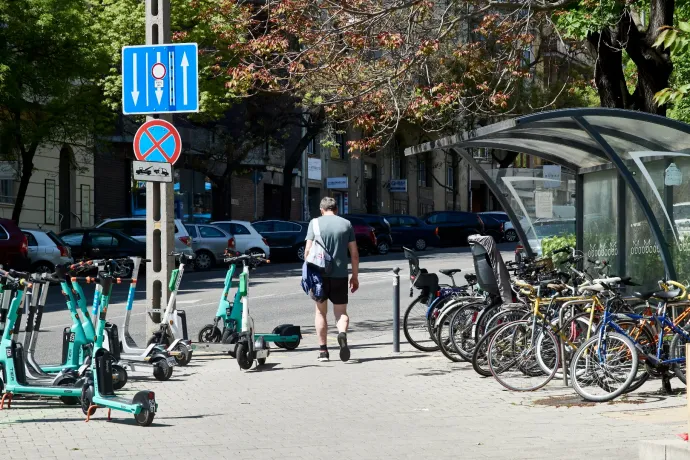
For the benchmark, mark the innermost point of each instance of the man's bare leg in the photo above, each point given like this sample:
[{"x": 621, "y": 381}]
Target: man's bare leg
[
  {"x": 342, "y": 322},
  {"x": 321, "y": 326}
]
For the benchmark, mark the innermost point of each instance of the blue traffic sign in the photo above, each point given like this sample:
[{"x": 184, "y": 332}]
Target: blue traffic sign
[{"x": 160, "y": 79}]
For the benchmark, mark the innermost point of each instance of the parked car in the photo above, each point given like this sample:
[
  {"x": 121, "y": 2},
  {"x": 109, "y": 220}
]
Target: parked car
[
  {"x": 247, "y": 239},
  {"x": 14, "y": 249},
  {"x": 46, "y": 250},
  {"x": 365, "y": 235},
  {"x": 284, "y": 237},
  {"x": 455, "y": 226},
  {"x": 382, "y": 228},
  {"x": 136, "y": 228},
  {"x": 412, "y": 232},
  {"x": 209, "y": 243},
  {"x": 101, "y": 243},
  {"x": 495, "y": 224}
]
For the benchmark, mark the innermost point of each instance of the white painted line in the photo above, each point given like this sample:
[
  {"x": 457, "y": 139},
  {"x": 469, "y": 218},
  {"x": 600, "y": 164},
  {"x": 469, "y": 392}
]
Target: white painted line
[{"x": 187, "y": 301}]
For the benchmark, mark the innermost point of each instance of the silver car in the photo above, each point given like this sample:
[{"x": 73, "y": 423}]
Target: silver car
[
  {"x": 209, "y": 243},
  {"x": 46, "y": 250}
]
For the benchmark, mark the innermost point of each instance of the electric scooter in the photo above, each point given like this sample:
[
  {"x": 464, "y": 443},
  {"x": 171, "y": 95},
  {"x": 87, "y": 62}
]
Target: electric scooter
[
  {"x": 65, "y": 386},
  {"x": 161, "y": 360},
  {"x": 97, "y": 390},
  {"x": 212, "y": 338},
  {"x": 173, "y": 327}
]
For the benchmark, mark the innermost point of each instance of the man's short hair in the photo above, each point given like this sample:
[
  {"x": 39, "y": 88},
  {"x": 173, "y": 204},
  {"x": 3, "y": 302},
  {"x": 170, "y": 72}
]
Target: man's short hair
[{"x": 328, "y": 204}]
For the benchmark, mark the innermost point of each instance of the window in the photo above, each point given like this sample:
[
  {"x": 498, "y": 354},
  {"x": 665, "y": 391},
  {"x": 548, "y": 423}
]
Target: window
[
  {"x": 341, "y": 149},
  {"x": 408, "y": 221},
  {"x": 286, "y": 227},
  {"x": 263, "y": 227},
  {"x": 238, "y": 229},
  {"x": 311, "y": 147},
  {"x": 210, "y": 232},
  {"x": 192, "y": 231},
  {"x": 137, "y": 228},
  {"x": 6, "y": 190},
  {"x": 103, "y": 240},
  {"x": 421, "y": 173},
  {"x": 31, "y": 239},
  {"x": 228, "y": 227},
  {"x": 73, "y": 239},
  {"x": 394, "y": 221},
  {"x": 398, "y": 168},
  {"x": 450, "y": 177}
]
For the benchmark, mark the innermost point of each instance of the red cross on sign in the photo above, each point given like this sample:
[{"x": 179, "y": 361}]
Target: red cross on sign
[{"x": 157, "y": 140}]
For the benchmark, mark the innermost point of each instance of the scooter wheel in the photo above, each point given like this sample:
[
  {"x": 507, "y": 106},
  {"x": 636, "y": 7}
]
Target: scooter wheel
[
  {"x": 186, "y": 356},
  {"x": 243, "y": 357},
  {"x": 145, "y": 416},
  {"x": 291, "y": 345},
  {"x": 68, "y": 382},
  {"x": 209, "y": 334},
  {"x": 162, "y": 371},
  {"x": 87, "y": 399},
  {"x": 121, "y": 377}
]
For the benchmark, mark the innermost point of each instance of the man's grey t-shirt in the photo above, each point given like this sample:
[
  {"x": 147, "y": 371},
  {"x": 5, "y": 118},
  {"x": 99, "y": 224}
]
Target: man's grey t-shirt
[{"x": 336, "y": 233}]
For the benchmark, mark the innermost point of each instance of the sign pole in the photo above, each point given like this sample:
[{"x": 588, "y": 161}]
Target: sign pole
[{"x": 160, "y": 226}]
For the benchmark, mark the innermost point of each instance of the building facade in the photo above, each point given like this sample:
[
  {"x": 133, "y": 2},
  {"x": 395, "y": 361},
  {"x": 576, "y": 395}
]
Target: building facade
[{"x": 60, "y": 194}]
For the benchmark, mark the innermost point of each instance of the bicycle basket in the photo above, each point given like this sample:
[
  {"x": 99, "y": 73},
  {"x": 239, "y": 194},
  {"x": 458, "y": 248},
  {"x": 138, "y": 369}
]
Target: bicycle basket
[{"x": 545, "y": 263}]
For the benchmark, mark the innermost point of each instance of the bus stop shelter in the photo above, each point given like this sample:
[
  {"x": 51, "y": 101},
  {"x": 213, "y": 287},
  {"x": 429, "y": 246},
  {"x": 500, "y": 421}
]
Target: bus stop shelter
[{"x": 626, "y": 174}]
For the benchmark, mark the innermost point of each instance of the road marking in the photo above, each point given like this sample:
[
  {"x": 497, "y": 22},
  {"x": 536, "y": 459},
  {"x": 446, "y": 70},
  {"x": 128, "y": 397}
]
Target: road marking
[{"x": 187, "y": 301}]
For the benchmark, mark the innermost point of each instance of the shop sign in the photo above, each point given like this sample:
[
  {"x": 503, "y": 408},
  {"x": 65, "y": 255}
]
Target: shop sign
[
  {"x": 336, "y": 182},
  {"x": 673, "y": 176},
  {"x": 543, "y": 204},
  {"x": 553, "y": 173},
  {"x": 314, "y": 169},
  {"x": 398, "y": 185}
]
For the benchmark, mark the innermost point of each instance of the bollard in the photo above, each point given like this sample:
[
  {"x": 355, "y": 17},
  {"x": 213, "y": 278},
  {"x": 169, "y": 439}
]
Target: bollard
[{"x": 396, "y": 310}]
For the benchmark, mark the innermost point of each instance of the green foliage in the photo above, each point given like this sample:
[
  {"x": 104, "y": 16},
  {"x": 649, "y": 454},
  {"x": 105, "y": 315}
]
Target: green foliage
[
  {"x": 587, "y": 16},
  {"x": 552, "y": 243},
  {"x": 677, "y": 40}
]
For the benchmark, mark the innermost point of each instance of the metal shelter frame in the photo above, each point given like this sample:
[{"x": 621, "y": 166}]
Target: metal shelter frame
[{"x": 578, "y": 139}]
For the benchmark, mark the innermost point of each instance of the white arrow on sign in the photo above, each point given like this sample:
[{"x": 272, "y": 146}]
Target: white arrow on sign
[
  {"x": 135, "y": 93},
  {"x": 185, "y": 65},
  {"x": 159, "y": 91},
  {"x": 147, "y": 79}
]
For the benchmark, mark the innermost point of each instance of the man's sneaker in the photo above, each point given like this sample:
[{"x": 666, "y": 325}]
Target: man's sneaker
[
  {"x": 323, "y": 356},
  {"x": 344, "y": 351}
]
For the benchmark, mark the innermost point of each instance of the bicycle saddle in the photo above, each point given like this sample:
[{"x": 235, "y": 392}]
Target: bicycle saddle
[
  {"x": 663, "y": 295},
  {"x": 450, "y": 272}
]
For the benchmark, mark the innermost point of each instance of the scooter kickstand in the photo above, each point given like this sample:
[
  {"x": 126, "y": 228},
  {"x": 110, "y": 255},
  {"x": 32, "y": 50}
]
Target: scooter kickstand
[
  {"x": 109, "y": 410},
  {"x": 92, "y": 408},
  {"x": 6, "y": 397}
]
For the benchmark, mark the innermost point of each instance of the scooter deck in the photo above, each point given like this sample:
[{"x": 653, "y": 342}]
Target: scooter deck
[
  {"x": 57, "y": 368},
  {"x": 214, "y": 347},
  {"x": 278, "y": 337}
]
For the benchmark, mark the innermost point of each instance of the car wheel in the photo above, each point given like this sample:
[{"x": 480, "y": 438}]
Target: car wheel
[
  {"x": 43, "y": 267},
  {"x": 203, "y": 260},
  {"x": 511, "y": 236},
  {"x": 300, "y": 252},
  {"x": 383, "y": 247},
  {"x": 420, "y": 244}
]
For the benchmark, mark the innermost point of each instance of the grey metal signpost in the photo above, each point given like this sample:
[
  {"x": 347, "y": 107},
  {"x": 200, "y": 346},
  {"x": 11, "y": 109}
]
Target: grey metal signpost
[{"x": 160, "y": 212}]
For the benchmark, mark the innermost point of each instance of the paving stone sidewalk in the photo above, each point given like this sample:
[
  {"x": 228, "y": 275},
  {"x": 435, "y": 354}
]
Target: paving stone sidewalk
[{"x": 379, "y": 405}]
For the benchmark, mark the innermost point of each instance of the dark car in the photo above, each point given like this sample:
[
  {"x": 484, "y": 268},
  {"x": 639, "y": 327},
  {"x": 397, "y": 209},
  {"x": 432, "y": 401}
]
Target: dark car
[
  {"x": 283, "y": 237},
  {"x": 365, "y": 235},
  {"x": 412, "y": 232},
  {"x": 494, "y": 224},
  {"x": 102, "y": 243},
  {"x": 382, "y": 229},
  {"x": 14, "y": 246},
  {"x": 455, "y": 226}
]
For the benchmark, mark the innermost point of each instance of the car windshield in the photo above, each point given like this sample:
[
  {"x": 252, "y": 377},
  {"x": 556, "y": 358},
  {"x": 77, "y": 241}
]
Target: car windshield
[
  {"x": 554, "y": 228},
  {"x": 681, "y": 211},
  {"x": 55, "y": 239}
]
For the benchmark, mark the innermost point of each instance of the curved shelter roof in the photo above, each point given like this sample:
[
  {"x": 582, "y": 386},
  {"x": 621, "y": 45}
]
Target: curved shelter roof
[{"x": 577, "y": 138}]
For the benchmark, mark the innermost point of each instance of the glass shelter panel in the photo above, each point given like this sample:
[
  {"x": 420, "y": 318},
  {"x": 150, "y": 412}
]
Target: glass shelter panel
[
  {"x": 544, "y": 200},
  {"x": 600, "y": 216}
]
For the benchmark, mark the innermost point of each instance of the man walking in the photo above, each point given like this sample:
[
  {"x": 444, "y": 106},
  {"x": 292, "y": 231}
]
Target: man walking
[{"x": 337, "y": 236}]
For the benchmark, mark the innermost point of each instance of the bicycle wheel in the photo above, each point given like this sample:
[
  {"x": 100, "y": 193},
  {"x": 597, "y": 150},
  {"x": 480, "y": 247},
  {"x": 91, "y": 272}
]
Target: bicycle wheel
[
  {"x": 602, "y": 370},
  {"x": 478, "y": 358},
  {"x": 512, "y": 356},
  {"x": 647, "y": 340},
  {"x": 457, "y": 343},
  {"x": 676, "y": 351},
  {"x": 416, "y": 328},
  {"x": 483, "y": 319},
  {"x": 575, "y": 331}
]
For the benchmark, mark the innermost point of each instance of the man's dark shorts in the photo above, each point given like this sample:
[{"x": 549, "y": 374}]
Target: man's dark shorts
[{"x": 335, "y": 290}]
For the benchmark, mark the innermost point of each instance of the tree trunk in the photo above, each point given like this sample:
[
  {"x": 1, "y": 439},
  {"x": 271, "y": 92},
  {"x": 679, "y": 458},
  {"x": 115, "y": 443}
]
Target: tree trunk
[
  {"x": 608, "y": 70},
  {"x": 221, "y": 195},
  {"x": 27, "y": 171}
]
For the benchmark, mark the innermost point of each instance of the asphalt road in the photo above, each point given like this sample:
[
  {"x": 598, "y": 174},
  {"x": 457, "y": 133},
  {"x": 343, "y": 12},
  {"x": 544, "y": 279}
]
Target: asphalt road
[{"x": 275, "y": 298}]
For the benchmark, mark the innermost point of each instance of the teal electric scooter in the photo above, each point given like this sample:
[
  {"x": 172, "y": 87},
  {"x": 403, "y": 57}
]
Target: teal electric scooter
[
  {"x": 98, "y": 390},
  {"x": 65, "y": 387},
  {"x": 238, "y": 337}
]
